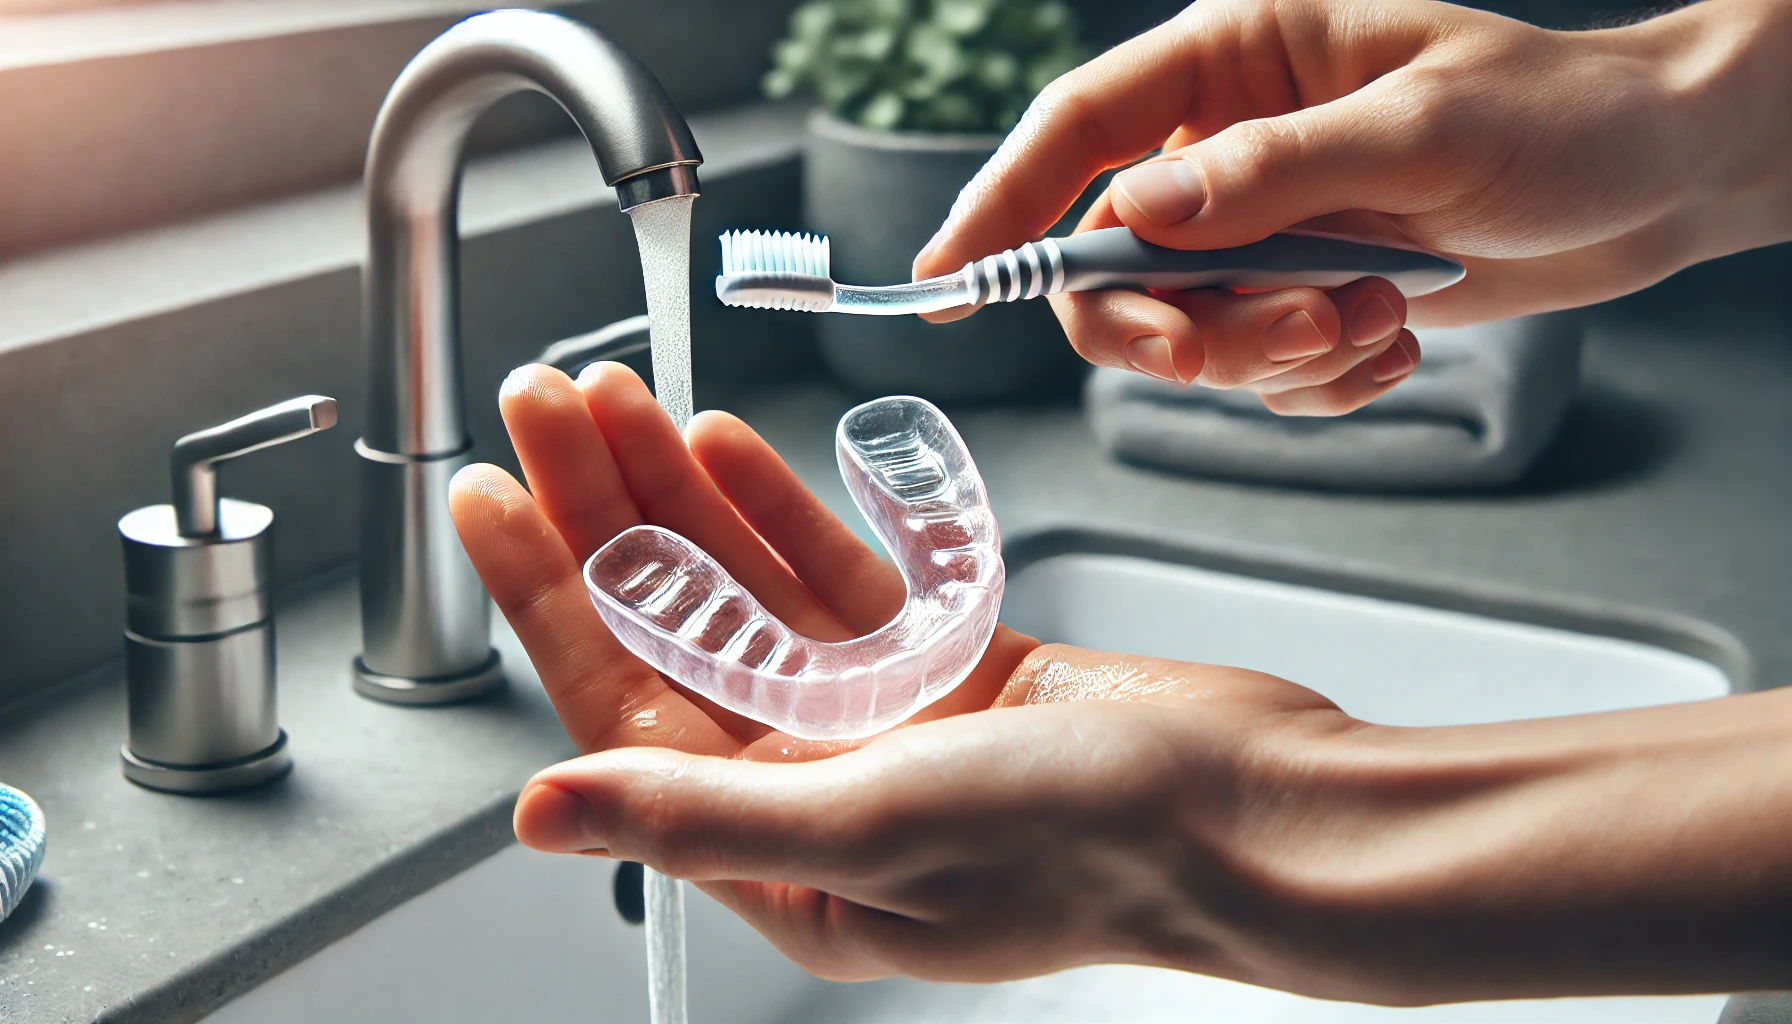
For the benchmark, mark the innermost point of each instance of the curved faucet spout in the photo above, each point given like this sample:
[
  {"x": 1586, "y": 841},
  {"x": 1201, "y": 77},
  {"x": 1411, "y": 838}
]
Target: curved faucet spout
[
  {"x": 415, "y": 404},
  {"x": 424, "y": 619}
]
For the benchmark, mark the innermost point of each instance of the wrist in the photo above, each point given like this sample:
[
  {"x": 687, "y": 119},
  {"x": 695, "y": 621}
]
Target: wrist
[
  {"x": 1724, "y": 70},
  {"x": 1354, "y": 835},
  {"x": 1632, "y": 852}
]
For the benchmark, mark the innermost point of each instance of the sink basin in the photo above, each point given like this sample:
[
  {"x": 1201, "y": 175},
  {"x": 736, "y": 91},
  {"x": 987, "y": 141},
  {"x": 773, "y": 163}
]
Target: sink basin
[
  {"x": 533, "y": 937},
  {"x": 1395, "y": 662},
  {"x": 523, "y": 937}
]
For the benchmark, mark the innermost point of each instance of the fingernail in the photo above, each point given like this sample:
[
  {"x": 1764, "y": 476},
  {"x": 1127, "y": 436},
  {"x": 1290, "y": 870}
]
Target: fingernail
[
  {"x": 1150, "y": 355},
  {"x": 1294, "y": 336},
  {"x": 1373, "y": 321},
  {"x": 562, "y": 822},
  {"x": 927, "y": 251},
  {"x": 517, "y": 380},
  {"x": 1165, "y": 191},
  {"x": 1393, "y": 364}
]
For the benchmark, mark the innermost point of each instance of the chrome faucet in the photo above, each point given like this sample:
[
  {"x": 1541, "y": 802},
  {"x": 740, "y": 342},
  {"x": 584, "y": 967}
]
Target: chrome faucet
[{"x": 424, "y": 617}]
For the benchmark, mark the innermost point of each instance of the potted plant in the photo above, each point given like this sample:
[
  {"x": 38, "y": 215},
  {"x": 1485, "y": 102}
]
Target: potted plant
[{"x": 915, "y": 96}]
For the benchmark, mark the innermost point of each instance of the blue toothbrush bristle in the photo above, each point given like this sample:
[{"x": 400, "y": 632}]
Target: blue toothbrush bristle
[{"x": 21, "y": 846}]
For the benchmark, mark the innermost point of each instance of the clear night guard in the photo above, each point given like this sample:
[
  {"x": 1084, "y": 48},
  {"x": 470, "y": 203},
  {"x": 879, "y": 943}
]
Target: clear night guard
[{"x": 912, "y": 478}]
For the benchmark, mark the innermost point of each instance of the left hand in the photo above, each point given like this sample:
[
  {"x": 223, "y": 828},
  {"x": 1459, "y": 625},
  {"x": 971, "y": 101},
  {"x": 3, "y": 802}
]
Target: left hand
[
  {"x": 855, "y": 868},
  {"x": 602, "y": 456}
]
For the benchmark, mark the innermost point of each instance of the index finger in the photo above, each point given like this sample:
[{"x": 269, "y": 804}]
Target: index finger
[
  {"x": 1101, "y": 115},
  {"x": 605, "y": 696}
]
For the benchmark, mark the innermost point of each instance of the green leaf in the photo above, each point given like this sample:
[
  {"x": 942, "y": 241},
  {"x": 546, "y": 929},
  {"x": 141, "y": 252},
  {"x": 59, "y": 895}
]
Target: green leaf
[
  {"x": 1054, "y": 20},
  {"x": 937, "y": 53},
  {"x": 998, "y": 72},
  {"x": 812, "y": 20},
  {"x": 921, "y": 88},
  {"x": 883, "y": 112},
  {"x": 779, "y": 83},
  {"x": 794, "y": 55},
  {"x": 891, "y": 12},
  {"x": 1045, "y": 68},
  {"x": 940, "y": 65},
  {"x": 954, "y": 112},
  {"x": 875, "y": 44},
  {"x": 842, "y": 87},
  {"x": 843, "y": 58},
  {"x": 961, "y": 17}
]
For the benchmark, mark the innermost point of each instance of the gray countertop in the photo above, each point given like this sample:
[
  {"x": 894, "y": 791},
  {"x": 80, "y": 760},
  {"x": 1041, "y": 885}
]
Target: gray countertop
[{"x": 1667, "y": 493}]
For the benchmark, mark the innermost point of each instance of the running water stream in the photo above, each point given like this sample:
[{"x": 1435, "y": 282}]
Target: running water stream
[{"x": 663, "y": 234}]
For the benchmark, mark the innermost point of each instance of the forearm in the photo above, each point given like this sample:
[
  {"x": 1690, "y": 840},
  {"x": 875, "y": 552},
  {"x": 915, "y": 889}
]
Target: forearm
[
  {"x": 1644, "y": 851},
  {"x": 1725, "y": 68}
]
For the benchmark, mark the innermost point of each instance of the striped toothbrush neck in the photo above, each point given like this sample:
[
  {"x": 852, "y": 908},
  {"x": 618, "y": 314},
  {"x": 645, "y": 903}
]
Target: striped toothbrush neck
[{"x": 1034, "y": 269}]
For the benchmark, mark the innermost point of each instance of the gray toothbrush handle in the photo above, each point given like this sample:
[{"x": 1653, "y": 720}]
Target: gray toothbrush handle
[{"x": 1117, "y": 258}]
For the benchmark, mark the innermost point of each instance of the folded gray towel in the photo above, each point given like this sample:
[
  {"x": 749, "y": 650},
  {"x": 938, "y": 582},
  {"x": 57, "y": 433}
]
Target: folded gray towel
[{"x": 1483, "y": 404}]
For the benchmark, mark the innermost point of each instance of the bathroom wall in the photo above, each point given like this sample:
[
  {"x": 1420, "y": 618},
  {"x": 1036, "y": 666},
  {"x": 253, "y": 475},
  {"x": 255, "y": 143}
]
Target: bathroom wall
[{"x": 126, "y": 117}]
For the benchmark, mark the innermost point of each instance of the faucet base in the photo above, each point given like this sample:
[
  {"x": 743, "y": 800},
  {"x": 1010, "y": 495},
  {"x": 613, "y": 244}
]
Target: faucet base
[
  {"x": 449, "y": 690},
  {"x": 254, "y": 770}
]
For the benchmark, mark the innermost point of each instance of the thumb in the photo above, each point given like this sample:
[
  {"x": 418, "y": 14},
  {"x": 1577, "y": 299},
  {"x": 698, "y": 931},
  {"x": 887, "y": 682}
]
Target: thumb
[
  {"x": 1363, "y": 151},
  {"x": 694, "y": 817}
]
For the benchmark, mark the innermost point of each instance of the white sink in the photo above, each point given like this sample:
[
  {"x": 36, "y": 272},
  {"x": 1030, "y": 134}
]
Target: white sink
[
  {"x": 1383, "y": 661},
  {"x": 521, "y": 938},
  {"x": 529, "y": 937}
]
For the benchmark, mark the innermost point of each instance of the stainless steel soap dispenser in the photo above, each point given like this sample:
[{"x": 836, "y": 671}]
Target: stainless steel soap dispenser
[{"x": 199, "y": 625}]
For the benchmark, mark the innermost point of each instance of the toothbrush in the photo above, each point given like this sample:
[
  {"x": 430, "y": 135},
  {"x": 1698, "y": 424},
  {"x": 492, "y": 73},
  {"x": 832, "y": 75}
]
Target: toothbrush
[{"x": 782, "y": 270}]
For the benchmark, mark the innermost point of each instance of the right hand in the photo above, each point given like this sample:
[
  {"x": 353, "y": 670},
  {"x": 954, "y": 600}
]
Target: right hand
[{"x": 1562, "y": 168}]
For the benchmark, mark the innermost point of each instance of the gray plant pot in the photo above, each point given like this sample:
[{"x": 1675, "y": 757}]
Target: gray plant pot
[{"x": 879, "y": 197}]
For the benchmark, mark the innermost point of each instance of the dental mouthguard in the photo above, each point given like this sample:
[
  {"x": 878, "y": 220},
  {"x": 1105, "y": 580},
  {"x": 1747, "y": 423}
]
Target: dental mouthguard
[{"x": 911, "y": 477}]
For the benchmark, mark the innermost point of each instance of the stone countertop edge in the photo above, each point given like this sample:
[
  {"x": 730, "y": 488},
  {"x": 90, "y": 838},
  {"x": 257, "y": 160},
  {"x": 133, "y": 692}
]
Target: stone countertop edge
[
  {"x": 1665, "y": 495},
  {"x": 155, "y": 907}
]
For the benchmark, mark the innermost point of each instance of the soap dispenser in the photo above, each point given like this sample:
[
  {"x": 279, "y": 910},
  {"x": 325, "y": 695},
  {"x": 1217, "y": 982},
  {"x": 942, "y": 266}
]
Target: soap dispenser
[{"x": 199, "y": 625}]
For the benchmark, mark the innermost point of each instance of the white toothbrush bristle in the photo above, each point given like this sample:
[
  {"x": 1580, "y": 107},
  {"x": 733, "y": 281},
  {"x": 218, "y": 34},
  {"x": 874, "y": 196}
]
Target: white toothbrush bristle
[
  {"x": 775, "y": 252},
  {"x": 775, "y": 270}
]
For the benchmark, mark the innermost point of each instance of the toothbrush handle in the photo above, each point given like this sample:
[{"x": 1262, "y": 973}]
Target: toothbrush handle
[{"x": 1117, "y": 258}]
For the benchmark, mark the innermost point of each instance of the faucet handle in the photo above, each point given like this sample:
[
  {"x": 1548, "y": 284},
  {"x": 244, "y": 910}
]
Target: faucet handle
[
  {"x": 624, "y": 337},
  {"x": 196, "y": 456}
]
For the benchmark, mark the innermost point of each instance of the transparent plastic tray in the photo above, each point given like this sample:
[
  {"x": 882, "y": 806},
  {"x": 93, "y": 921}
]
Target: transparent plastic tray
[{"x": 912, "y": 478}]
